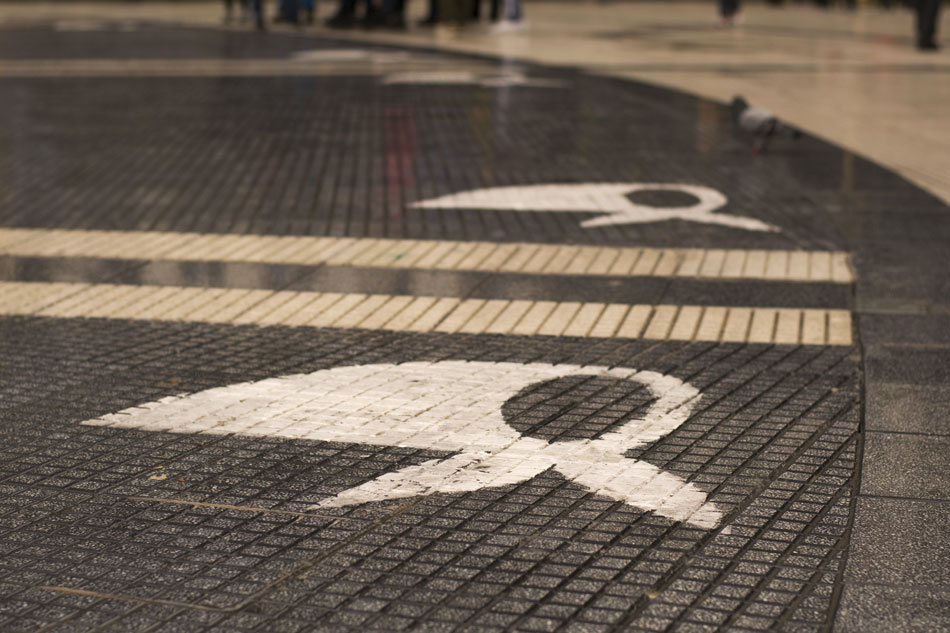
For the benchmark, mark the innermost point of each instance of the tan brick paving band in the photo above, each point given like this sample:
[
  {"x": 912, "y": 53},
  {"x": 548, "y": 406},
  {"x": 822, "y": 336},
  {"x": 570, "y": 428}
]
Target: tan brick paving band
[{"x": 428, "y": 314}]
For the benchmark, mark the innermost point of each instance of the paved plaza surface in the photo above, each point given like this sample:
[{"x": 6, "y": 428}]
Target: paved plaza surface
[{"x": 306, "y": 332}]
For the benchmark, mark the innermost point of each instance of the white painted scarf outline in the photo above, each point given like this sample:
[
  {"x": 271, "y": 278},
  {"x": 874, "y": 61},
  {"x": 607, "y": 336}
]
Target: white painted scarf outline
[
  {"x": 448, "y": 406},
  {"x": 607, "y": 198}
]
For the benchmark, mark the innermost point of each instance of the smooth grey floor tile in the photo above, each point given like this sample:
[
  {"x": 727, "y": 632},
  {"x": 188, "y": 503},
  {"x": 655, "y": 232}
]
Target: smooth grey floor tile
[
  {"x": 904, "y": 365},
  {"x": 901, "y": 542},
  {"x": 868, "y": 608},
  {"x": 908, "y": 409},
  {"x": 891, "y": 329},
  {"x": 905, "y": 465}
]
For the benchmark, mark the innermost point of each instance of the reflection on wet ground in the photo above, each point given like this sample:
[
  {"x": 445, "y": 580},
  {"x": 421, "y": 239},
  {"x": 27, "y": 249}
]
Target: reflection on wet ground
[{"x": 431, "y": 283}]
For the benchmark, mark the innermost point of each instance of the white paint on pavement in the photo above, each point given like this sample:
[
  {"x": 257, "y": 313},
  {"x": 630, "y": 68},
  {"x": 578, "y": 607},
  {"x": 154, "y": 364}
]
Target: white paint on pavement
[
  {"x": 349, "y": 55},
  {"x": 446, "y": 406},
  {"x": 606, "y": 198},
  {"x": 467, "y": 77},
  {"x": 80, "y": 25}
]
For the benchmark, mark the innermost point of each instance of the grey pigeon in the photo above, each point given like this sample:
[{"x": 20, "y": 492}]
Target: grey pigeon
[{"x": 761, "y": 124}]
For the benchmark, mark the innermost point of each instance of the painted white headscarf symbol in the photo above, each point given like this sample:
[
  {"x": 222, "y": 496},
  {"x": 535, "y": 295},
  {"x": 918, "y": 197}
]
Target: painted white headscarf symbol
[
  {"x": 609, "y": 199},
  {"x": 447, "y": 406}
]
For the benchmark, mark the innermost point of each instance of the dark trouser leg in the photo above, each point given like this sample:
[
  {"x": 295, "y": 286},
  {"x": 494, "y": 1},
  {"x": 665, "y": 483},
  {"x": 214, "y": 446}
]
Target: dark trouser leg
[
  {"x": 347, "y": 7},
  {"x": 372, "y": 12},
  {"x": 927, "y": 11},
  {"x": 290, "y": 11},
  {"x": 433, "y": 11},
  {"x": 728, "y": 8},
  {"x": 396, "y": 14}
]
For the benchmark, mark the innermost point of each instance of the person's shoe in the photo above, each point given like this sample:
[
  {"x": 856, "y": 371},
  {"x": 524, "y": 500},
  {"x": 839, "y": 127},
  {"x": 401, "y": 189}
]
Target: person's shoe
[
  {"x": 341, "y": 22},
  {"x": 507, "y": 26},
  {"x": 928, "y": 46}
]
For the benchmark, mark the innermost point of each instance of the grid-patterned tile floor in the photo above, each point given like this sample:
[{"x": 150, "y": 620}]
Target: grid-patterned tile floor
[{"x": 183, "y": 234}]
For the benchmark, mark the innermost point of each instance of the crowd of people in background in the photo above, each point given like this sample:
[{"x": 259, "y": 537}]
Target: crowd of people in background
[
  {"x": 504, "y": 14},
  {"x": 928, "y": 12},
  {"x": 507, "y": 14}
]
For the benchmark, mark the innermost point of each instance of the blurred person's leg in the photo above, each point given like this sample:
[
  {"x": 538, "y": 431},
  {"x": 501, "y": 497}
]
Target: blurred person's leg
[
  {"x": 288, "y": 11},
  {"x": 257, "y": 8},
  {"x": 513, "y": 10},
  {"x": 344, "y": 17},
  {"x": 432, "y": 18},
  {"x": 395, "y": 17},
  {"x": 927, "y": 12},
  {"x": 728, "y": 10},
  {"x": 375, "y": 13},
  {"x": 309, "y": 7}
]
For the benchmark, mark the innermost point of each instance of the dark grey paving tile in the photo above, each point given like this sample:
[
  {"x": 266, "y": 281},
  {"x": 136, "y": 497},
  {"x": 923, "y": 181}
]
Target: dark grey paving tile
[
  {"x": 901, "y": 542},
  {"x": 893, "y": 272},
  {"x": 878, "y": 290},
  {"x": 865, "y": 608},
  {"x": 917, "y": 227},
  {"x": 907, "y": 365},
  {"x": 903, "y": 465},
  {"x": 896, "y": 329},
  {"x": 908, "y": 409}
]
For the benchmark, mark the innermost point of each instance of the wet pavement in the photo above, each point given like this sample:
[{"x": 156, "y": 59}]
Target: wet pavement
[{"x": 311, "y": 335}]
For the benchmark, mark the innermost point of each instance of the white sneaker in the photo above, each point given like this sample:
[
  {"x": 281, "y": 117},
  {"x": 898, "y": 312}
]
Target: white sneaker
[{"x": 508, "y": 26}]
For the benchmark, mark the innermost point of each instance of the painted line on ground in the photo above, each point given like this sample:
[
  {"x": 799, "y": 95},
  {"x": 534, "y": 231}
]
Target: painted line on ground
[
  {"x": 428, "y": 314},
  {"x": 770, "y": 265}
]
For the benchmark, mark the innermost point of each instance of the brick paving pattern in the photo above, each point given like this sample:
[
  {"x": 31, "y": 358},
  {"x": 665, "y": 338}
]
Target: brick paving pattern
[
  {"x": 192, "y": 530},
  {"x": 185, "y": 229}
]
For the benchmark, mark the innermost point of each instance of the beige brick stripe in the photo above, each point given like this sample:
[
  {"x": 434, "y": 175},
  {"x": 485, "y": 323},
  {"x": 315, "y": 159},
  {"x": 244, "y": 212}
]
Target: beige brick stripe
[
  {"x": 792, "y": 266},
  {"x": 424, "y": 314}
]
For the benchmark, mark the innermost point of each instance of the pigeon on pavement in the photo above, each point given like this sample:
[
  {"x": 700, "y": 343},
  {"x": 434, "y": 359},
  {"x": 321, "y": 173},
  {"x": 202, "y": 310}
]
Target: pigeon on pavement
[{"x": 761, "y": 124}]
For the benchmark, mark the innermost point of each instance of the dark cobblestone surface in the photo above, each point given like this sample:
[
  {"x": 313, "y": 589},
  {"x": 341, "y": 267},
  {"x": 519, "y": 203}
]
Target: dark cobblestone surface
[
  {"x": 342, "y": 155},
  {"x": 233, "y": 548},
  {"x": 121, "y": 530}
]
